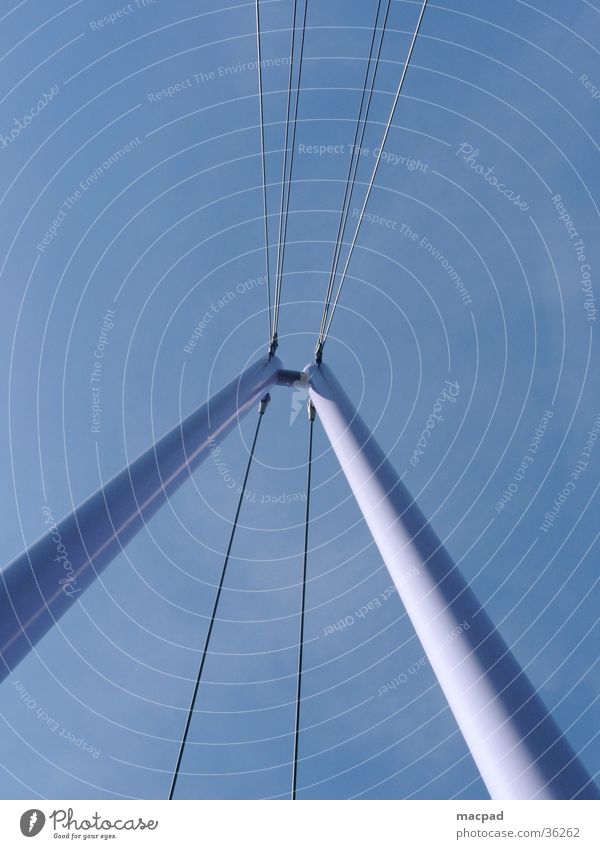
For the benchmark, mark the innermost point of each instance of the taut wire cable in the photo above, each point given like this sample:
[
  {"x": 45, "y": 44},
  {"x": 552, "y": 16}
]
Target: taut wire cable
[
  {"x": 374, "y": 174},
  {"x": 263, "y": 166},
  {"x": 311, "y": 419},
  {"x": 361, "y": 125},
  {"x": 285, "y": 194},
  {"x": 261, "y": 410}
]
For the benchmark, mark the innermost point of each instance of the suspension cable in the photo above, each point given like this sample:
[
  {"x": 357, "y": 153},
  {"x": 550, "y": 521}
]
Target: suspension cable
[
  {"x": 361, "y": 125},
  {"x": 261, "y": 410},
  {"x": 311, "y": 419},
  {"x": 285, "y": 195},
  {"x": 273, "y": 339},
  {"x": 263, "y": 166},
  {"x": 374, "y": 174}
]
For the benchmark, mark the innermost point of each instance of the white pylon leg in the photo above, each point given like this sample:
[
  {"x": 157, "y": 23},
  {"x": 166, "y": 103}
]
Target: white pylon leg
[
  {"x": 518, "y": 748},
  {"x": 44, "y": 581}
]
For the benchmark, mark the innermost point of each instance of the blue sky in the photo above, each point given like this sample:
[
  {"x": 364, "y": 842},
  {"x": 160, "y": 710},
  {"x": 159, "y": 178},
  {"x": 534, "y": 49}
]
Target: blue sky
[{"x": 170, "y": 233}]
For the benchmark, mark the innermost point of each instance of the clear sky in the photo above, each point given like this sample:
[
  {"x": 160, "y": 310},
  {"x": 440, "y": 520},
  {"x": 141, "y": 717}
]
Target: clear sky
[{"x": 136, "y": 188}]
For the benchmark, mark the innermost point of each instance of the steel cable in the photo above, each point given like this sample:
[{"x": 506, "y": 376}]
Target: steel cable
[
  {"x": 261, "y": 410},
  {"x": 374, "y": 174},
  {"x": 311, "y": 418}
]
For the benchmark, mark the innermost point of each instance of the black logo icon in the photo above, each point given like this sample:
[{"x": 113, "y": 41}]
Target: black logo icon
[{"x": 32, "y": 822}]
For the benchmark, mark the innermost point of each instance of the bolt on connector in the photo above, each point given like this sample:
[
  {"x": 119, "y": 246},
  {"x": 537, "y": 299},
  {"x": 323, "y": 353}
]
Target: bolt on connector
[
  {"x": 264, "y": 402},
  {"x": 273, "y": 345},
  {"x": 319, "y": 352}
]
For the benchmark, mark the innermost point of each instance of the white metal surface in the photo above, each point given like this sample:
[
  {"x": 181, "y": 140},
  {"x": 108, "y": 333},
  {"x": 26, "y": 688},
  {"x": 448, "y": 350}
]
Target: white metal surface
[
  {"x": 514, "y": 741},
  {"x": 46, "y": 579}
]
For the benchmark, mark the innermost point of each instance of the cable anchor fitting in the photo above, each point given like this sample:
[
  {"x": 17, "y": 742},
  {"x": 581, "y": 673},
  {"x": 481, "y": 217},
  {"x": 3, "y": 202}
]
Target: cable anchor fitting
[
  {"x": 310, "y": 409},
  {"x": 273, "y": 345},
  {"x": 264, "y": 403},
  {"x": 319, "y": 351}
]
